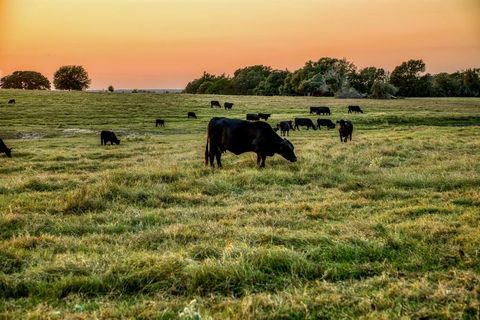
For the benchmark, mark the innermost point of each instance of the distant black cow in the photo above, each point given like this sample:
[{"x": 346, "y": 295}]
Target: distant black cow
[
  {"x": 285, "y": 127},
  {"x": 4, "y": 149},
  {"x": 326, "y": 123},
  {"x": 191, "y": 115},
  {"x": 228, "y": 105},
  {"x": 239, "y": 136},
  {"x": 160, "y": 122},
  {"x": 304, "y": 122},
  {"x": 345, "y": 130},
  {"x": 264, "y": 116},
  {"x": 108, "y": 136},
  {"x": 253, "y": 116},
  {"x": 320, "y": 110},
  {"x": 352, "y": 109},
  {"x": 215, "y": 103},
  {"x": 11, "y": 101}
]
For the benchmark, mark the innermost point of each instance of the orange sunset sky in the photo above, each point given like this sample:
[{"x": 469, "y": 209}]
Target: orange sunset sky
[{"x": 166, "y": 43}]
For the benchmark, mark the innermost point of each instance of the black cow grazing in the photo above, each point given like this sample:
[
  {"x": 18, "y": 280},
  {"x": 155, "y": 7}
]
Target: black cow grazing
[
  {"x": 108, "y": 136},
  {"x": 352, "y": 109},
  {"x": 11, "y": 101},
  {"x": 345, "y": 130},
  {"x": 159, "y": 122},
  {"x": 285, "y": 127},
  {"x": 4, "y": 149},
  {"x": 320, "y": 110},
  {"x": 191, "y": 115},
  {"x": 326, "y": 123},
  {"x": 215, "y": 103},
  {"x": 304, "y": 122},
  {"x": 264, "y": 116},
  {"x": 228, "y": 105},
  {"x": 253, "y": 116},
  {"x": 239, "y": 136}
]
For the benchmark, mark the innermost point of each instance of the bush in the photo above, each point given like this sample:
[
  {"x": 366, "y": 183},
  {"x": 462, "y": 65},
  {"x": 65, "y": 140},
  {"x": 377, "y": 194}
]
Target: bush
[
  {"x": 348, "y": 93},
  {"x": 383, "y": 90}
]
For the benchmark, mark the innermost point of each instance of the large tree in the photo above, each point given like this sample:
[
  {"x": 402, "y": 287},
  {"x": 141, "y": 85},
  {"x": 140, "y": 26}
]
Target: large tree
[
  {"x": 408, "y": 78},
  {"x": 363, "y": 80},
  {"x": 272, "y": 85},
  {"x": 194, "y": 85},
  {"x": 471, "y": 82},
  {"x": 210, "y": 84},
  {"x": 323, "y": 77},
  {"x": 28, "y": 80},
  {"x": 71, "y": 78},
  {"x": 245, "y": 80}
]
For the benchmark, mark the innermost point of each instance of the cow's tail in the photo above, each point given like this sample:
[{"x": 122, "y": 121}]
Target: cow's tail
[{"x": 206, "y": 153}]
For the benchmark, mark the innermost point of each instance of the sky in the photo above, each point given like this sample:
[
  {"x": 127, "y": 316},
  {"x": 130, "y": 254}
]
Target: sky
[{"x": 167, "y": 43}]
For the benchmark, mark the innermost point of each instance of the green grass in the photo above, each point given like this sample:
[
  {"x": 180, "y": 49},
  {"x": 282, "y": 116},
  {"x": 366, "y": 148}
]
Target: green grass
[{"x": 385, "y": 226}]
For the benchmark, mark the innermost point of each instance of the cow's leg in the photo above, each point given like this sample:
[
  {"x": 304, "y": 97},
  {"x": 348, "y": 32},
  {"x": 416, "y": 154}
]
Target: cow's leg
[
  {"x": 212, "y": 153},
  {"x": 259, "y": 158},
  {"x": 350, "y": 137},
  {"x": 218, "y": 155},
  {"x": 211, "y": 156},
  {"x": 262, "y": 165}
]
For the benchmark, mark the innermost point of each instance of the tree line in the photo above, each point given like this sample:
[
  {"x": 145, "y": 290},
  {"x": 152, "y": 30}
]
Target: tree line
[
  {"x": 65, "y": 78},
  {"x": 325, "y": 77},
  {"x": 341, "y": 78}
]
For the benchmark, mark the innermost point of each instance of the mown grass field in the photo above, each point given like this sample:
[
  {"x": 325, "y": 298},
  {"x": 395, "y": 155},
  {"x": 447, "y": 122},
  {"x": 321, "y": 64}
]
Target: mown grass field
[{"x": 385, "y": 226}]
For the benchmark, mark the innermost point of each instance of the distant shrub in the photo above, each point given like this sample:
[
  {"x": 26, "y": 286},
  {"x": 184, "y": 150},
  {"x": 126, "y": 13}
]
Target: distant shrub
[
  {"x": 383, "y": 90},
  {"x": 348, "y": 93}
]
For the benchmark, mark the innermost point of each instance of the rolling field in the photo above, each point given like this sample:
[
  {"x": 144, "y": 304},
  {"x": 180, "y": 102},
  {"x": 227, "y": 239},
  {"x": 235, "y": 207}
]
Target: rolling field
[{"x": 385, "y": 226}]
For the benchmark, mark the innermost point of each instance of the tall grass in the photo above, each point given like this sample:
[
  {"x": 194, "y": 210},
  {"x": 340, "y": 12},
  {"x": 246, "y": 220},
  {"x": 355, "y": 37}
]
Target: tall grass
[{"x": 385, "y": 226}]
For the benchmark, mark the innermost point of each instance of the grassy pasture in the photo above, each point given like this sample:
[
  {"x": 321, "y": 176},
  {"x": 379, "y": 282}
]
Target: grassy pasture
[{"x": 385, "y": 226}]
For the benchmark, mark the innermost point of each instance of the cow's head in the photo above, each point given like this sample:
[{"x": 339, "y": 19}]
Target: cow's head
[
  {"x": 8, "y": 152},
  {"x": 286, "y": 150},
  {"x": 117, "y": 142}
]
